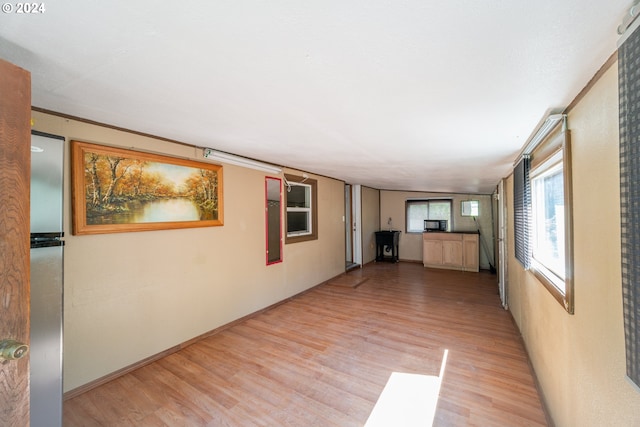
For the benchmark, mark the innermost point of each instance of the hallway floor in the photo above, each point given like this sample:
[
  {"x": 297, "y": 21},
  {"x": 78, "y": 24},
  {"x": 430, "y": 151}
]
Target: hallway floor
[{"x": 324, "y": 357}]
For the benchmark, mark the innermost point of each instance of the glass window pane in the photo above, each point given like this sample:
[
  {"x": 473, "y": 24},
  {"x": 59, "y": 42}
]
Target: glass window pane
[
  {"x": 439, "y": 210},
  {"x": 416, "y": 214},
  {"x": 549, "y": 222},
  {"x": 299, "y": 196},
  {"x": 470, "y": 208},
  {"x": 298, "y": 222}
]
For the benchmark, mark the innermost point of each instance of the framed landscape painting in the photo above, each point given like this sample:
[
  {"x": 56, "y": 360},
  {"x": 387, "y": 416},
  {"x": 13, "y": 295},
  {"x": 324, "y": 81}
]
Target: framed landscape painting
[{"x": 119, "y": 190}]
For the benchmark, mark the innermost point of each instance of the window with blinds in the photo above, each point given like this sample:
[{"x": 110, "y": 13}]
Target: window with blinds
[{"x": 521, "y": 209}]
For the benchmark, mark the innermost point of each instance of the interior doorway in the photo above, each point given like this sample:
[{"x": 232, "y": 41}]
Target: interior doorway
[
  {"x": 502, "y": 244},
  {"x": 353, "y": 226}
]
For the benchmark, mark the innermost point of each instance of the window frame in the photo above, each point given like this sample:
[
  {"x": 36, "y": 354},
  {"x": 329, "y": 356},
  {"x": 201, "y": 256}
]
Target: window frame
[
  {"x": 410, "y": 202},
  {"x": 470, "y": 208},
  {"x": 560, "y": 158},
  {"x": 305, "y": 209},
  {"x": 312, "y": 185},
  {"x": 273, "y": 219}
]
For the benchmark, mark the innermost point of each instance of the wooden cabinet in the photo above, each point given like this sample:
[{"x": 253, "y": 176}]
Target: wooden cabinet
[
  {"x": 471, "y": 255},
  {"x": 452, "y": 252},
  {"x": 432, "y": 252},
  {"x": 455, "y": 251}
]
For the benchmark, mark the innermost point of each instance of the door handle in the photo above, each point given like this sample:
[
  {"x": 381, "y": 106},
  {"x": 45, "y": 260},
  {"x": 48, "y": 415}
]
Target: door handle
[{"x": 12, "y": 350}]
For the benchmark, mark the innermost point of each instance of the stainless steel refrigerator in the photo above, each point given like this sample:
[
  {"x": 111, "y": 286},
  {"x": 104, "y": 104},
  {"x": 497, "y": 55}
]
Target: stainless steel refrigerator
[{"x": 47, "y": 246}]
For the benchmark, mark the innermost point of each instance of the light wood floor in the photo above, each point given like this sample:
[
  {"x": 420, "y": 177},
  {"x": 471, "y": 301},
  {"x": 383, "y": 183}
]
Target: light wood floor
[{"x": 323, "y": 358}]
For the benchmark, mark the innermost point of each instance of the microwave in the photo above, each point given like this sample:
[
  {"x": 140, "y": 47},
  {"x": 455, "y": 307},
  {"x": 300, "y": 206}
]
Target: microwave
[{"x": 435, "y": 225}]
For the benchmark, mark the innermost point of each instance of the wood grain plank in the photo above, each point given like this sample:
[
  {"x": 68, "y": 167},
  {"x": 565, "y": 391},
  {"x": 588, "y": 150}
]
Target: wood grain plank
[{"x": 15, "y": 168}]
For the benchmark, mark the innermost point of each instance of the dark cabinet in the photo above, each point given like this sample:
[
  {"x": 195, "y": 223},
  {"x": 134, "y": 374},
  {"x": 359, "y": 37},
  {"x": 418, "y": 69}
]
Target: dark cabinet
[{"x": 387, "y": 245}]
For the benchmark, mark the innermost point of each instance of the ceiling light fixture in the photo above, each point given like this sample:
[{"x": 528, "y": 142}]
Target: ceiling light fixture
[{"x": 220, "y": 156}]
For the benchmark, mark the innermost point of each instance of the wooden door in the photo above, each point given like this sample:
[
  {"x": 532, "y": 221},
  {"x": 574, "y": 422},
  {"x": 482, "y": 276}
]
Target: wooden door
[{"x": 15, "y": 159}]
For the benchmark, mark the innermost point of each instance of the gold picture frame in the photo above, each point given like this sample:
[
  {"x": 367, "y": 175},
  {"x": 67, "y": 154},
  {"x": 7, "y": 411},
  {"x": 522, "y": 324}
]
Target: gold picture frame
[{"x": 116, "y": 190}]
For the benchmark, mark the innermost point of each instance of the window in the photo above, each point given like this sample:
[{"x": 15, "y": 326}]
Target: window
[
  {"x": 299, "y": 210},
  {"x": 521, "y": 205},
  {"x": 419, "y": 210},
  {"x": 301, "y": 202},
  {"x": 470, "y": 208},
  {"x": 548, "y": 222}
]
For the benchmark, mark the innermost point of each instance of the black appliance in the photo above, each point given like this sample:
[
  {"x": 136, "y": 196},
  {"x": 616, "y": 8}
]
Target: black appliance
[
  {"x": 435, "y": 225},
  {"x": 387, "y": 241}
]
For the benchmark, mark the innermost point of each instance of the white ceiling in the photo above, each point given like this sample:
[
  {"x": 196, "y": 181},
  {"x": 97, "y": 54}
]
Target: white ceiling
[{"x": 410, "y": 95}]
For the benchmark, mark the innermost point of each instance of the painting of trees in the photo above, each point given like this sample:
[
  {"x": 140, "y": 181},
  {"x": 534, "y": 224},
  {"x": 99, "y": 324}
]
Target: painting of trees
[{"x": 122, "y": 188}]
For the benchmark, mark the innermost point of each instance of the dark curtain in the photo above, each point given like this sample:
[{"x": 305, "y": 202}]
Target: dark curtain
[
  {"x": 629, "y": 95},
  {"x": 521, "y": 210}
]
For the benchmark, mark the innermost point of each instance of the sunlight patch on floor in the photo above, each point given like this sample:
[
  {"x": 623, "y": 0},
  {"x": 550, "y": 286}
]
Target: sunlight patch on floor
[{"x": 408, "y": 400}]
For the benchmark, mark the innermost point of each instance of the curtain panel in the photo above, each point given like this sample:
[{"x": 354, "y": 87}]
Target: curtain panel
[{"x": 629, "y": 98}]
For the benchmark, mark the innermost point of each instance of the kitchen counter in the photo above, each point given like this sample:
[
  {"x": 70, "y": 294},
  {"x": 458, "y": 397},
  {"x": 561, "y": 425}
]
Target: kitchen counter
[{"x": 457, "y": 250}]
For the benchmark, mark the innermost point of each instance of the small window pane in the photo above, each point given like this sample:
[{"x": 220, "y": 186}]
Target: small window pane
[
  {"x": 470, "y": 208},
  {"x": 416, "y": 214},
  {"x": 298, "y": 223},
  {"x": 299, "y": 196},
  {"x": 549, "y": 222},
  {"x": 439, "y": 210}
]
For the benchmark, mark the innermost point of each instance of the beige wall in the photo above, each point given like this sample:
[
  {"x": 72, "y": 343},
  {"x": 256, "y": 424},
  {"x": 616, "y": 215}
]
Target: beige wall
[
  {"x": 129, "y": 296},
  {"x": 370, "y": 222},
  {"x": 392, "y": 205},
  {"x": 579, "y": 360}
]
